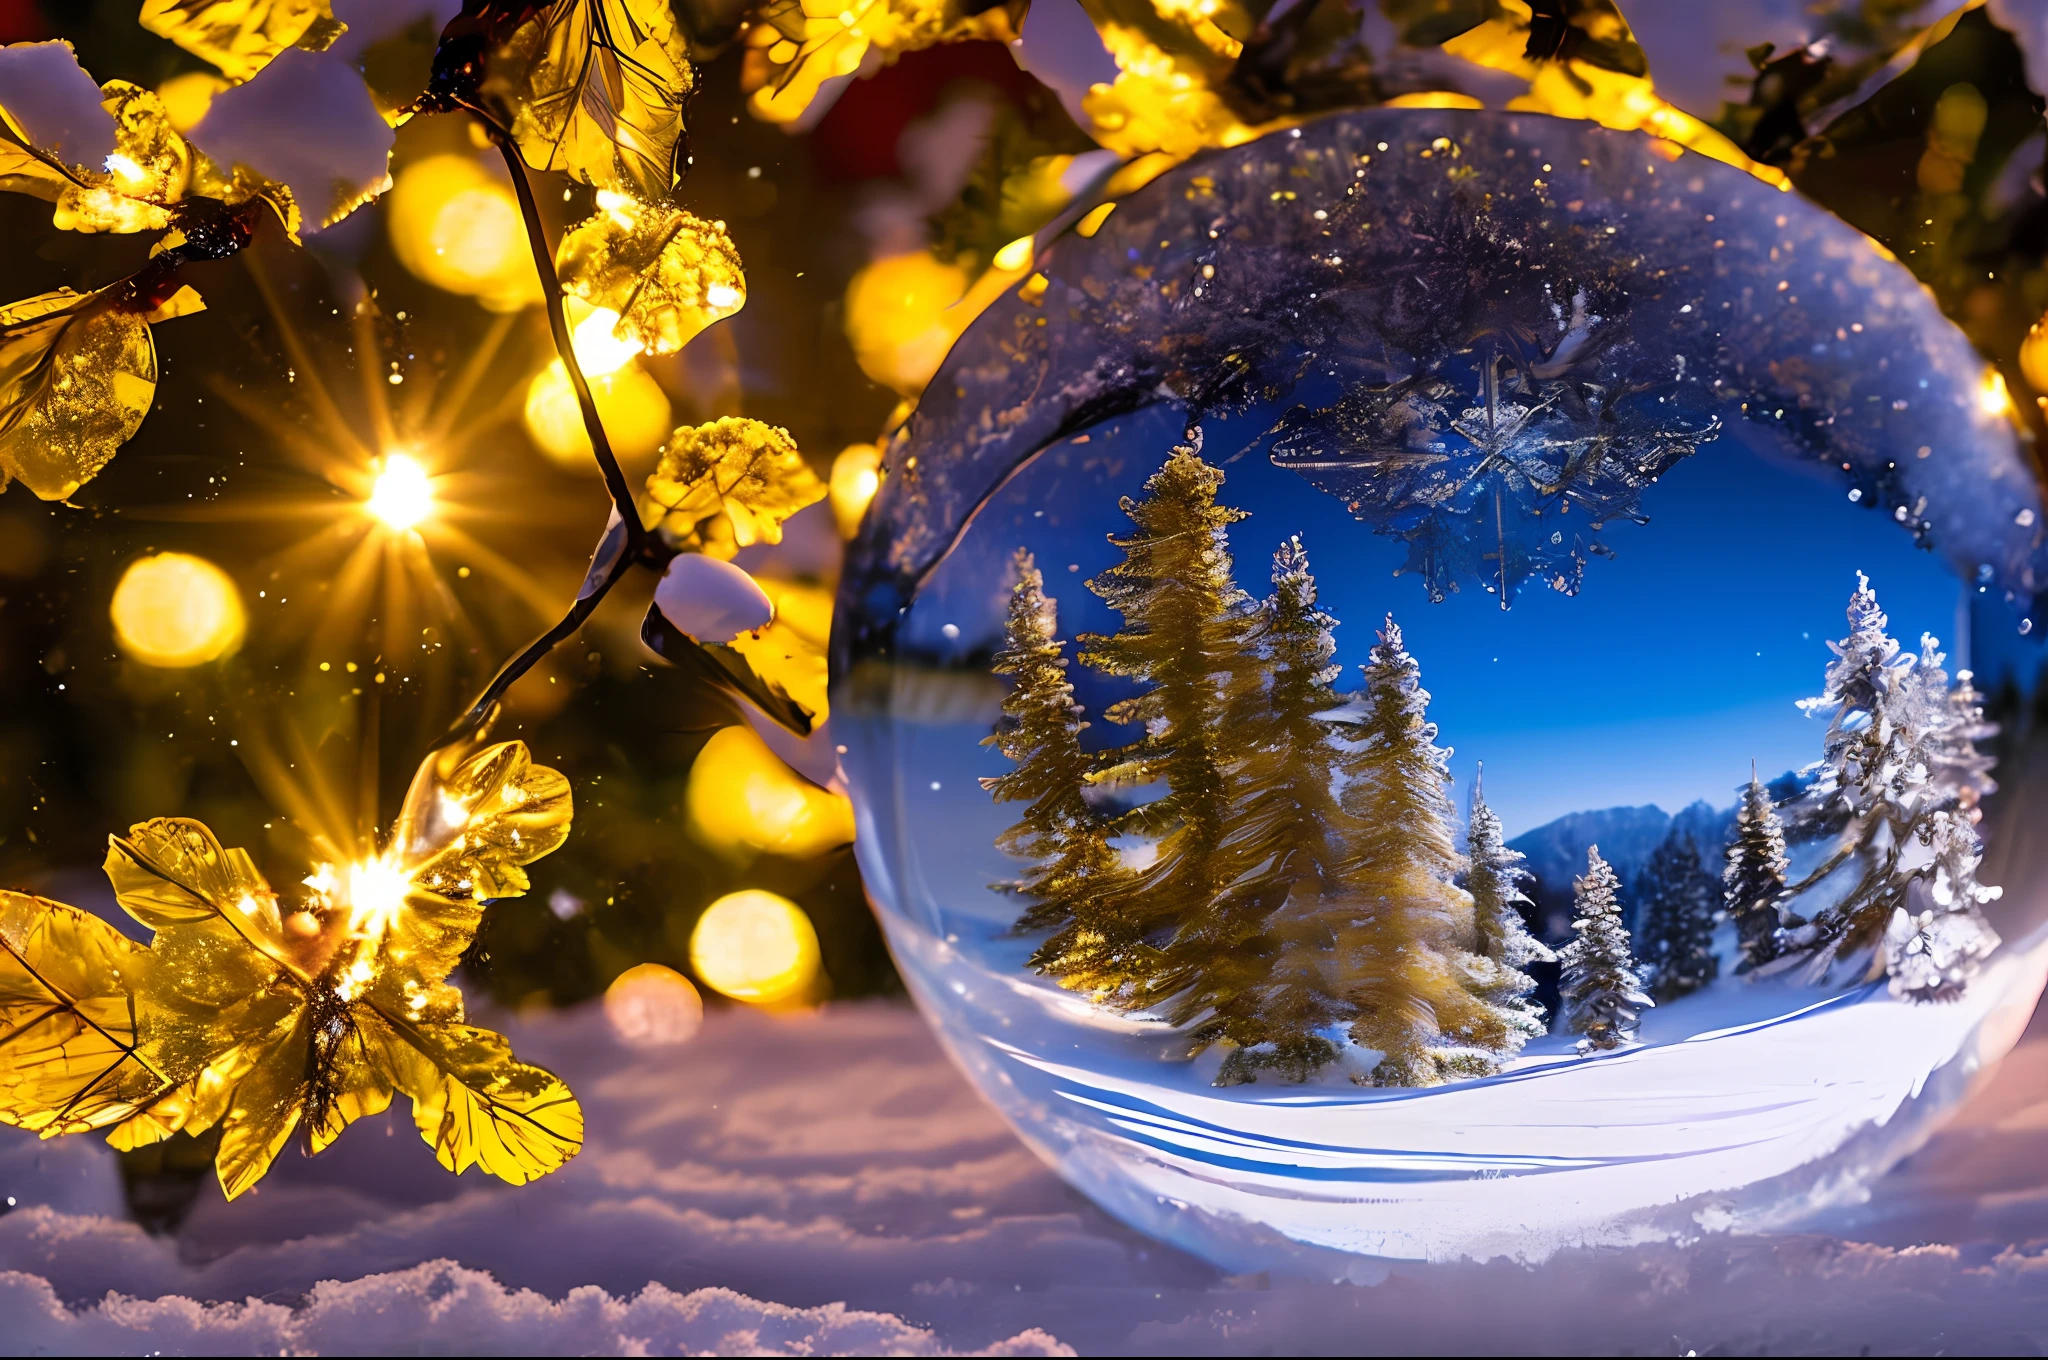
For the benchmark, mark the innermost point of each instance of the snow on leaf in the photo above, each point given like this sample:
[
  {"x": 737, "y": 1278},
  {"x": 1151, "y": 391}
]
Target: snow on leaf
[
  {"x": 242, "y": 37},
  {"x": 264, "y": 1018},
  {"x": 68, "y": 1057},
  {"x": 306, "y": 122},
  {"x": 596, "y": 90},
  {"x": 77, "y": 375},
  {"x": 730, "y": 484},
  {"x": 147, "y": 172},
  {"x": 666, "y": 273},
  {"x": 53, "y": 124}
]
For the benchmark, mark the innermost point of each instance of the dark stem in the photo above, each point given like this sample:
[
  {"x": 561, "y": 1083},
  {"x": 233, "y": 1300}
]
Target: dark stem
[{"x": 558, "y": 324}]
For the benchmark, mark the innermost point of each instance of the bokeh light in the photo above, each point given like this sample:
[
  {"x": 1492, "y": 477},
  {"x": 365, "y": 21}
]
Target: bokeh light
[
  {"x": 756, "y": 946},
  {"x": 634, "y": 409},
  {"x": 403, "y": 494},
  {"x": 175, "y": 610},
  {"x": 600, "y": 349},
  {"x": 856, "y": 477},
  {"x": 187, "y": 97},
  {"x": 899, "y": 318},
  {"x": 741, "y": 798},
  {"x": 455, "y": 226},
  {"x": 650, "y": 1006}
]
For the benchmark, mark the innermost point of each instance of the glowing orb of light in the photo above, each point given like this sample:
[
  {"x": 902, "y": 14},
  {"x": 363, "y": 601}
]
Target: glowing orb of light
[
  {"x": 742, "y": 798},
  {"x": 634, "y": 409},
  {"x": 899, "y": 317},
  {"x": 653, "y": 1007},
  {"x": 402, "y": 495},
  {"x": 856, "y": 477},
  {"x": 188, "y": 97},
  {"x": 600, "y": 349},
  {"x": 756, "y": 946},
  {"x": 458, "y": 228},
  {"x": 376, "y": 891},
  {"x": 174, "y": 610},
  {"x": 1992, "y": 397}
]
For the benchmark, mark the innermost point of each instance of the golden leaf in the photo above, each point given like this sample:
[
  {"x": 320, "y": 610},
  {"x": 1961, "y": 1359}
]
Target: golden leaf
[
  {"x": 666, "y": 273},
  {"x": 730, "y": 484},
  {"x": 265, "y": 1020},
  {"x": 802, "y": 44},
  {"x": 596, "y": 89},
  {"x": 790, "y": 653},
  {"x": 148, "y": 172},
  {"x": 475, "y": 1106},
  {"x": 241, "y": 36},
  {"x": 68, "y": 1059},
  {"x": 77, "y": 375}
]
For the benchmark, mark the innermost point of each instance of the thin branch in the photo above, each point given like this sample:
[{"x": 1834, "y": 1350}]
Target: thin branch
[{"x": 558, "y": 324}]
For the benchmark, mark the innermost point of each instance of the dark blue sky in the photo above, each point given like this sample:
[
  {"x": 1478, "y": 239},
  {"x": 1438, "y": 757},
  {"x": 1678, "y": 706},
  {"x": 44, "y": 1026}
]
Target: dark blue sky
[{"x": 1680, "y": 659}]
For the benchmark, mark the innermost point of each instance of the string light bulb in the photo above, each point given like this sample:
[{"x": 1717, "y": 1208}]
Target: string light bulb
[
  {"x": 403, "y": 494},
  {"x": 756, "y": 946}
]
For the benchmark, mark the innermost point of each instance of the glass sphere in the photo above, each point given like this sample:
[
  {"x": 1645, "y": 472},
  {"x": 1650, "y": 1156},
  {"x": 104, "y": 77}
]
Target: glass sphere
[{"x": 1224, "y": 553}]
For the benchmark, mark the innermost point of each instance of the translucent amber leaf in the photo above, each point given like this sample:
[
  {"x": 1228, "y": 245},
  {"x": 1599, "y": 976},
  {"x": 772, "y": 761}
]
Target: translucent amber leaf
[
  {"x": 804, "y": 43},
  {"x": 596, "y": 90},
  {"x": 148, "y": 171},
  {"x": 68, "y": 1052},
  {"x": 77, "y": 375},
  {"x": 476, "y": 1106},
  {"x": 267, "y": 1105},
  {"x": 666, "y": 273},
  {"x": 472, "y": 817},
  {"x": 241, "y": 36},
  {"x": 735, "y": 477}
]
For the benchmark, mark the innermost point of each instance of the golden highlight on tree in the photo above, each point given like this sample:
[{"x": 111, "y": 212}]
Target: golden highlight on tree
[{"x": 266, "y": 1013}]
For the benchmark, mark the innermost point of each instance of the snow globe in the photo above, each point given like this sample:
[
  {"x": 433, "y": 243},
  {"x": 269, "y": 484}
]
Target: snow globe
[{"x": 1448, "y": 684}]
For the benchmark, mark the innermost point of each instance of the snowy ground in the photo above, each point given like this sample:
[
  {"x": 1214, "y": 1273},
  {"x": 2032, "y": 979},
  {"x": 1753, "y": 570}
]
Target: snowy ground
[{"x": 737, "y": 1191}]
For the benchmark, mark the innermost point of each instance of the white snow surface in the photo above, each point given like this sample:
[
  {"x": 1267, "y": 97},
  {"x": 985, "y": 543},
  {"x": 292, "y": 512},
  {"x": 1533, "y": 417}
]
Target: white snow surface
[{"x": 837, "y": 1165}]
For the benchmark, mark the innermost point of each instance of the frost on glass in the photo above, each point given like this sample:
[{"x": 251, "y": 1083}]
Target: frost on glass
[{"x": 1441, "y": 686}]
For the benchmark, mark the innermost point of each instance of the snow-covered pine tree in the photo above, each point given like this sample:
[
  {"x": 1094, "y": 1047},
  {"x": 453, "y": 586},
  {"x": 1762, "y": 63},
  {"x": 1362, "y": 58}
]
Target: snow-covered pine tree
[
  {"x": 1680, "y": 906},
  {"x": 1949, "y": 722},
  {"x": 1601, "y": 994},
  {"x": 1185, "y": 640},
  {"x": 1070, "y": 862},
  {"x": 1753, "y": 884},
  {"x": 1938, "y": 940},
  {"x": 1873, "y": 777},
  {"x": 1418, "y": 997},
  {"x": 1262, "y": 966},
  {"x": 1494, "y": 877}
]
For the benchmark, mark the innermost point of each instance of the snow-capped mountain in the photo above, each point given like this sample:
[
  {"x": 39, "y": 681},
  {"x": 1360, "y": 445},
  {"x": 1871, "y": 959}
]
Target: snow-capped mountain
[{"x": 1627, "y": 837}]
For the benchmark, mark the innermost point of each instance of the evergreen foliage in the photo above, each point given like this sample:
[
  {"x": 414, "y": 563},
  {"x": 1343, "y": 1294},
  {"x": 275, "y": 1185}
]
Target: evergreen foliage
[
  {"x": 1681, "y": 904},
  {"x": 1260, "y": 963},
  {"x": 1602, "y": 993},
  {"x": 1070, "y": 859},
  {"x": 1422, "y": 992},
  {"x": 1494, "y": 876},
  {"x": 1901, "y": 768},
  {"x": 1753, "y": 882}
]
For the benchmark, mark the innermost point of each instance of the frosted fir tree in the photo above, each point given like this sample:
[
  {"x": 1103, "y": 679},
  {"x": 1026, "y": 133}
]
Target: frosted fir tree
[
  {"x": 1262, "y": 967},
  {"x": 1421, "y": 994},
  {"x": 1753, "y": 882},
  {"x": 1070, "y": 861},
  {"x": 1938, "y": 941},
  {"x": 1494, "y": 876},
  {"x": 1185, "y": 639},
  {"x": 1681, "y": 905},
  {"x": 1950, "y": 722},
  {"x": 1601, "y": 992},
  {"x": 1872, "y": 779}
]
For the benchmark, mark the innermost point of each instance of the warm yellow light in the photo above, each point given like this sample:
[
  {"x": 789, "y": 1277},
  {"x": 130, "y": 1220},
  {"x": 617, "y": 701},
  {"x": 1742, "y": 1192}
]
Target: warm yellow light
[
  {"x": 600, "y": 350},
  {"x": 741, "y": 797},
  {"x": 2034, "y": 358},
  {"x": 756, "y": 946},
  {"x": 1992, "y": 397},
  {"x": 900, "y": 317},
  {"x": 455, "y": 226},
  {"x": 1015, "y": 255},
  {"x": 402, "y": 495},
  {"x": 634, "y": 409},
  {"x": 376, "y": 891},
  {"x": 653, "y": 1007},
  {"x": 175, "y": 610},
  {"x": 856, "y": 477}
]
